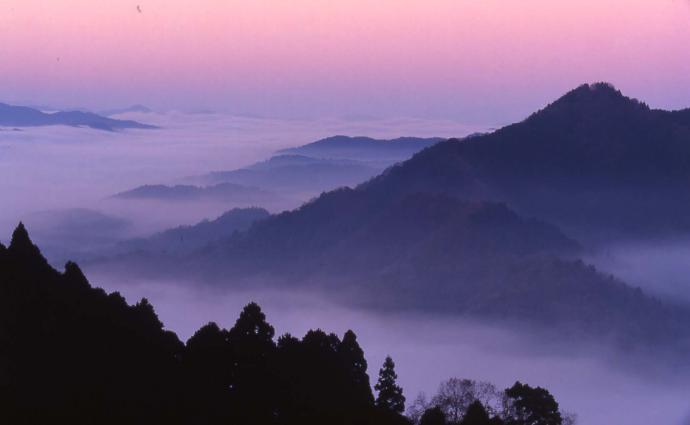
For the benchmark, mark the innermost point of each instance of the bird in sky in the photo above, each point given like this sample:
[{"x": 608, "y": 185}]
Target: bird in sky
[{"x": 139, "y": 8}]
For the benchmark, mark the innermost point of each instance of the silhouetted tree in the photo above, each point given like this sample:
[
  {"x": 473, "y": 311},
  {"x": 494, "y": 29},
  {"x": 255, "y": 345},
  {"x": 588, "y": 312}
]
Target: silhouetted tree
[
  {"x": 455, "y": 396},
  {"x": 70, "y": 353},
  {"x": 252, "y": 383},
  {"x": 390, "y": 394},
  {"x": 352, "y": 357},
  {"x": 476, "y": 414},
  {"x": 433, "y": 416},
  {"x": 531, "y": 406}
]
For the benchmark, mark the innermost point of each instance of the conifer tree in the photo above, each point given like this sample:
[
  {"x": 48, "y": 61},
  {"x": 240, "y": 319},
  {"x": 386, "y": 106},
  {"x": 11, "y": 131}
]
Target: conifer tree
[{"x": 390, "y": 395}]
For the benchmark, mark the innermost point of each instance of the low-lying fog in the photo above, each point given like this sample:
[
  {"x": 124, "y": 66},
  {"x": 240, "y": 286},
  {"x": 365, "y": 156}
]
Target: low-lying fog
[
  {"x": 660, "y": 268},
  {"x": 428, "y": 350},
  {"x": 58, "y": 167},
  {"x": 55, "y": 168}
]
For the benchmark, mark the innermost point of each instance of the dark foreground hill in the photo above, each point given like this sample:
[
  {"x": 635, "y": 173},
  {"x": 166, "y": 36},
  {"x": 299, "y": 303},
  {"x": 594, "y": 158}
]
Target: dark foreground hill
[
  {"x": 71, "y": 353},
  {"x": 74, "y": 354},
  {"x": 21, "y": 116}
]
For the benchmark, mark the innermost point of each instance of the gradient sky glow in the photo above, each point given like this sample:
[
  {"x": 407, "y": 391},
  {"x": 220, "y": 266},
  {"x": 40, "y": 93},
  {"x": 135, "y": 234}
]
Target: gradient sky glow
[{"x": 483, "y": 61}]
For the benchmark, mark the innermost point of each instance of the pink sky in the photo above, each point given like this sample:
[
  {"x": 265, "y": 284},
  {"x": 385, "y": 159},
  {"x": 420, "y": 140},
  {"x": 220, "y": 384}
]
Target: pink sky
[{"x": 488, "y": 61}]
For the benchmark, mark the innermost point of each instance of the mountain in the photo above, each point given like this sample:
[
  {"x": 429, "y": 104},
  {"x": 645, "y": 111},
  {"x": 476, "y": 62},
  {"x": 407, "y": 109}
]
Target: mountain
[
  {"x": 298, "y": 174},
  {"x": 103, "y": 352},
  {"x": 224, "y": 192},
  {"x": 21, "y": 116},
  {"x": 597, "y": 163},
  {"x": 308, "y": 170},
  {"x": 449, "y": 230},
  {"x": 73, "y": 233},
  {"x": 363, "y": 148},
  {"x": 75, "y": 354},
  {"x": 432, "y": 253},
  {"x": 134, "y": 108},
  {"x": 187, "y": 239}
]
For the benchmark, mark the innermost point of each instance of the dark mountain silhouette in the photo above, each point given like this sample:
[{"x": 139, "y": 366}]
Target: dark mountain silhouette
[
  {"x": 363, "y": 148},
  {"x": 225, "y": 192},
  {"x": 74, "y": 354},
  {"x": 599, "y": 163},
  {"x": 21, "y": 116}
]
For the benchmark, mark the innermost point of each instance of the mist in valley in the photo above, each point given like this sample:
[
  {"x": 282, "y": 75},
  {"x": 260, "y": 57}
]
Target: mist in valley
[
  {"x": 72, "y": 171},
  {"x": 588, "y": 379},
  {"x": 51, "y": 170},
  {"x": 659, "y": 267}
]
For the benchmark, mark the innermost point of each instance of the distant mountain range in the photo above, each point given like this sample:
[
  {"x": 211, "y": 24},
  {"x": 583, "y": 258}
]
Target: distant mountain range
[
  {"x": 296, "y": 174},
  {"x": 363, "y": 148},
  {"x": 73, "y": 233},
  {"x": 22, "y": 116},
  {"x": 223, "y": 192},
  {"x": 134, "y": 108},
  {"x": 448, "y": 230},
  {"x": 308, "y": 170}
]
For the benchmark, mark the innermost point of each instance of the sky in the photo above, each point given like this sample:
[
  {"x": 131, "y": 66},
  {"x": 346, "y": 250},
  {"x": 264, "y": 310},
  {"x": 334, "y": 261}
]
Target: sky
[{"x": 483, "y": 62}]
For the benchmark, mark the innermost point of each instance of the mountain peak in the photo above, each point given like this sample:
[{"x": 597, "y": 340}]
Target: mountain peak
[
  {"x": 597, "y": 102},
  {"x": 20, "y": 236},
  {"x": 597, "y": 94},
  {"x": 22, "y": 245}
]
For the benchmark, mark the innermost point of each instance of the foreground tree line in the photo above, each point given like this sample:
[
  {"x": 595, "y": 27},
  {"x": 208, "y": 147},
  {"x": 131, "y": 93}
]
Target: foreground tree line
[{"x": 71, "y": 353}]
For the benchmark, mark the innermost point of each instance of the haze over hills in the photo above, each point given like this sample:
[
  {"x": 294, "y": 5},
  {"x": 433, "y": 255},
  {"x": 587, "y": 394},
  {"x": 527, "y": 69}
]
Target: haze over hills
[
  {"x": 134, "y": 108},
  {"x": 21, "y": 116},
  {"x": 428, "y": 234},
  {"x": 429, "y": 253},
  {"x": 115, "y": 354},
  {"x": 297, "y": 174},
  {"x": 220, "y": 192},
  {"x": 363, "y": 148},
  {"x": 72, "y": 233},
  {"x": 187, "y": 239}
]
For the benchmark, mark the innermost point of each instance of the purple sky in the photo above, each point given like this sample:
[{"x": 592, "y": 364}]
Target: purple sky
[{"x": 487, "y": 62}]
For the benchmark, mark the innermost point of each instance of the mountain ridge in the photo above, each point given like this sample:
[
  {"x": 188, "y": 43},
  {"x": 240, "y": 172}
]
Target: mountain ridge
[{"x": 22, "y": 116}]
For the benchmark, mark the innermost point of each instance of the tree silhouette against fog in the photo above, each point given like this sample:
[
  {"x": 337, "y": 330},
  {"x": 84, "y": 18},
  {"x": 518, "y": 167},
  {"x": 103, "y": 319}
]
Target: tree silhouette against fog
[
  {"x": 433, "y": 416},
  {"x": 390, "y": 394},
  {"x": 532, "y": 406},
  {"x": 74, "y": 354}
]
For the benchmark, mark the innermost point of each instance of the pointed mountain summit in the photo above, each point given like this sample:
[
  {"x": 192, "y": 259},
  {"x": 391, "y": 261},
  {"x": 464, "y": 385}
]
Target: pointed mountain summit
[
  {"x": 23, "y": 250},
  {"x": 592, "y": 159},
  {"x": 21, "y": 242}
]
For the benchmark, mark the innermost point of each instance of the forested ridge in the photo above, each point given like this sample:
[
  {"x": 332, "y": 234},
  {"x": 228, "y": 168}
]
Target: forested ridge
[{"x": 71, "y": 353}]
